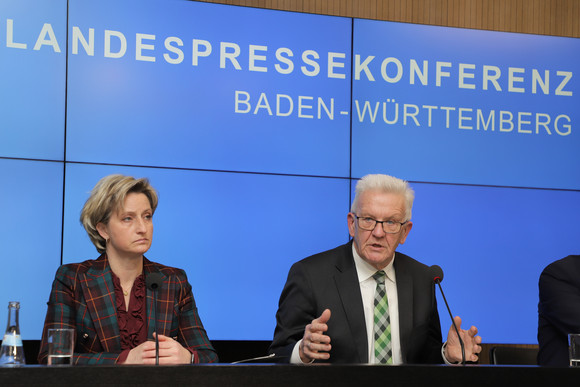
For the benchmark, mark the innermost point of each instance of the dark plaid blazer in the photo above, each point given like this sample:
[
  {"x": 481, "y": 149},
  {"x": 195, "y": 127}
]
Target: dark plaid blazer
[{"x": 83, "y": 298}]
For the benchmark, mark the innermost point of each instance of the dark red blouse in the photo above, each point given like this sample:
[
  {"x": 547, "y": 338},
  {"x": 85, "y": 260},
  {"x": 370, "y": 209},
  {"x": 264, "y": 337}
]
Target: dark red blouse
[{"x": 132, "y": 320}]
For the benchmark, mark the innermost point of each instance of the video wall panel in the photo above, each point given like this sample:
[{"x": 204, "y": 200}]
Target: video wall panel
[
  {"x": 235, "y": 235},
  {"x": 215, "y": 87},
  {"x": 492, "y": 244},
  {"x": 32, "y": 78},
  {"x": 453, "y": 105},
  {"x": 30, "y": 235}
]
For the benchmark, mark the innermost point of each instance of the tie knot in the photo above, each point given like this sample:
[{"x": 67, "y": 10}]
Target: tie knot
[{"x": 379, "y": 276}]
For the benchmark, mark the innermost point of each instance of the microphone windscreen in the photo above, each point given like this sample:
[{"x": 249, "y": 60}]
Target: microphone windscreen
[
  {"x": 436, "y": 273},
  {"x": 153, "y": 280}
]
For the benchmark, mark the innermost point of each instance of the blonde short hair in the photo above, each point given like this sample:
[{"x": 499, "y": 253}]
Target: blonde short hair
[
  {"x": 387, "y": 184},
  {"x": 107, "y": 197}
]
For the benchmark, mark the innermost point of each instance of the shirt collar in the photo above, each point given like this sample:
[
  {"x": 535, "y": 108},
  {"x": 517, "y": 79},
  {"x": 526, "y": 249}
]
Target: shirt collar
[{"x": 365, "y": 270}]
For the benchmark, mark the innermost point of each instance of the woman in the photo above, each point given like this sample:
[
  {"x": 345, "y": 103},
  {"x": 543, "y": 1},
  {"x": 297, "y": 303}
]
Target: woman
[{"x": 106, "y": 300}]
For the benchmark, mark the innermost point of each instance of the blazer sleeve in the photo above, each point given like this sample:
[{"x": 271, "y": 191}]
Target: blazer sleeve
[
  {"x": 192, "y": 334},
  {"x": 64, "y": 305},
  {"x": 295, "y": 311},
  {"x": 560, "y": 297},
  {"x": 558, "y": 309}
]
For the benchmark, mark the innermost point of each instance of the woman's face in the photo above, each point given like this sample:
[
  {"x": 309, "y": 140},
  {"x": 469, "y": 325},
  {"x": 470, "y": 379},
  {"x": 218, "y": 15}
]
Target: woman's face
[{"x": 130, "y": 230}]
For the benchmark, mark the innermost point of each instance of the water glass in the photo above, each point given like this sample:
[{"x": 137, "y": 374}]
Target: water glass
[
  {"x": 60, "y": 346},
  {"x": 574, "y": 349}
]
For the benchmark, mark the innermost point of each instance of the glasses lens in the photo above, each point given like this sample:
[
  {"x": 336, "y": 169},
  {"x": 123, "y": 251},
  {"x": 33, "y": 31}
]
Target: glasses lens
[
  {"x": 391, "y": 227},
  {"x": 367, "y": 223}
]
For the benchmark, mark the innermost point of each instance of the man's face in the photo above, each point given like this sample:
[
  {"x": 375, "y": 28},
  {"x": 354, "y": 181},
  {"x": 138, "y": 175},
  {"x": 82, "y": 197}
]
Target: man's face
[{"x": 377, "y": 247}]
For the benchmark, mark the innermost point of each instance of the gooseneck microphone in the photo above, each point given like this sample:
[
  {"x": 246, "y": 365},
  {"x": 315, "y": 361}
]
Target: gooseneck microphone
[
  {"x": 153, "y": 281},
  {"x": 437, "y": 275}
]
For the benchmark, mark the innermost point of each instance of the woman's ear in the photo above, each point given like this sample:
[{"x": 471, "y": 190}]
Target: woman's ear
[{"x": 102, "y": 229}]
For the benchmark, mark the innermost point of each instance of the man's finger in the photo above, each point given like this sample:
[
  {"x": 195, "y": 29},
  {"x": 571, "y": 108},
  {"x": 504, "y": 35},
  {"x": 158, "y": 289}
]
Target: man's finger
[
  {"x": 319, "y": 338},
  {"x": 324, "y": 317},
  {"x": 318, "y": 327},
  {"x": 311, "y": 353}
]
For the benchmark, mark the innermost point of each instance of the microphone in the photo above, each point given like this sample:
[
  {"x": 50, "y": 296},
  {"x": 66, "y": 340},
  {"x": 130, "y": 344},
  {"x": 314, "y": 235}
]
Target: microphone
[
  {"x": 153, "y": 281},
  {"x": 261, "y": 359},
  {"x": 437, "y": 275}
]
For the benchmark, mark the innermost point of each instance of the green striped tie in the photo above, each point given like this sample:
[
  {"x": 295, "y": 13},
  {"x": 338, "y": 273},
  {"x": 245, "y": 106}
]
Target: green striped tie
[{"x": 382, "y": 329}]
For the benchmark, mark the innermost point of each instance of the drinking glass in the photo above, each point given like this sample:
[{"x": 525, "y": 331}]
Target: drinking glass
[{"x": 60, "y": 346}]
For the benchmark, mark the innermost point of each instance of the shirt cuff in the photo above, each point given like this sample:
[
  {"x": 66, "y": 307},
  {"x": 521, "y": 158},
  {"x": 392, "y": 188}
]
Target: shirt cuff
[
  {"x": 443, "y": 354},
  {"x": 295, "y": 358}
]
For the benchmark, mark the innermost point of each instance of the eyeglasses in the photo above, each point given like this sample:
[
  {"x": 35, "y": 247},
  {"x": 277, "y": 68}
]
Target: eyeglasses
[{"x": 369, "y": 224}]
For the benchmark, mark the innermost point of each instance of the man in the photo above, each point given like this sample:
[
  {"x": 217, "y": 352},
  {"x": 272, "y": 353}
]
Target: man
[
  {"x": 558, "y": 310},
  {"x": 329, "y": 304}
]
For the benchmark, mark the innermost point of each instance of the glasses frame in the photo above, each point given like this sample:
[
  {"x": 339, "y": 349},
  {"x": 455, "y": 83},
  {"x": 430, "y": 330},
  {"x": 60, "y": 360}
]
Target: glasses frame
[{"x": 401, "y": 224}]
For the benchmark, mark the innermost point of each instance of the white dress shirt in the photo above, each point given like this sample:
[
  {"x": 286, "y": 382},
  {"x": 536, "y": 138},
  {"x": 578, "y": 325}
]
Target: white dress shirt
[{"x": 368, "y": 287}]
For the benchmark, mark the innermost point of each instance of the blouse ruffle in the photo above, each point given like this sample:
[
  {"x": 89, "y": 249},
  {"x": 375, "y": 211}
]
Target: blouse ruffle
[{"x": 132, "y": 326}]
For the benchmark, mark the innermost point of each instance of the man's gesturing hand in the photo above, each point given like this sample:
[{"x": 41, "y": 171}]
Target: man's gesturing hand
[{"x": 315, "y": 344}]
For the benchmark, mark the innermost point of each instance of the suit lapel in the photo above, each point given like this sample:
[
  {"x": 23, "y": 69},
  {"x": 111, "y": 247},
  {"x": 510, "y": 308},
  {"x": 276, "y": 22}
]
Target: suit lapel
[
  {"x": 99, "y": 293},
  {"x": 405, "y": 300},
  {"x": 348, "y": 287}
]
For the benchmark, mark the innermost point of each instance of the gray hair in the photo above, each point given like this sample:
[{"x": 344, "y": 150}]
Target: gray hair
[{"x": 387, "y": 184}]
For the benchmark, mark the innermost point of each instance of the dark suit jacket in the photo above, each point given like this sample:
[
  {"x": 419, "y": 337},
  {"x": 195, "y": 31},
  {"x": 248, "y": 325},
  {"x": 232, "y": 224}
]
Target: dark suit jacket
[
  {"x": 83, "y": 298},
  {"x": 558, "y": 309},
  {"x": 329, "y": 280}
]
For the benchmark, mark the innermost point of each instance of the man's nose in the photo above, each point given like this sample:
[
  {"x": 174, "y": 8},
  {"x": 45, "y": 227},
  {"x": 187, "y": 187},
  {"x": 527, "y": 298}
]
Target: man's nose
[{"x": 378, "y": 230}]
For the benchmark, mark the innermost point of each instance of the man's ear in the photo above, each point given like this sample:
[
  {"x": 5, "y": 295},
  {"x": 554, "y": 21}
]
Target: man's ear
[
  {"x": 351, "y": 219},
  {"x": 407, "y": 229}
]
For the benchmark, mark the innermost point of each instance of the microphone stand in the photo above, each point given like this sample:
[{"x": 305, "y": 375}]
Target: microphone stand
[
  {"x": 438, "y": 282},
  {"x": 156, "y": 331},
  {"x": 153, "y": 280}
]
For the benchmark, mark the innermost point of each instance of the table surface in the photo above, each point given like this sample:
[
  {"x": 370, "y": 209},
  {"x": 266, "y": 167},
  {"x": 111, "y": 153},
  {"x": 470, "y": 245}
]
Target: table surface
[{"x": 292, "y": 375}]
